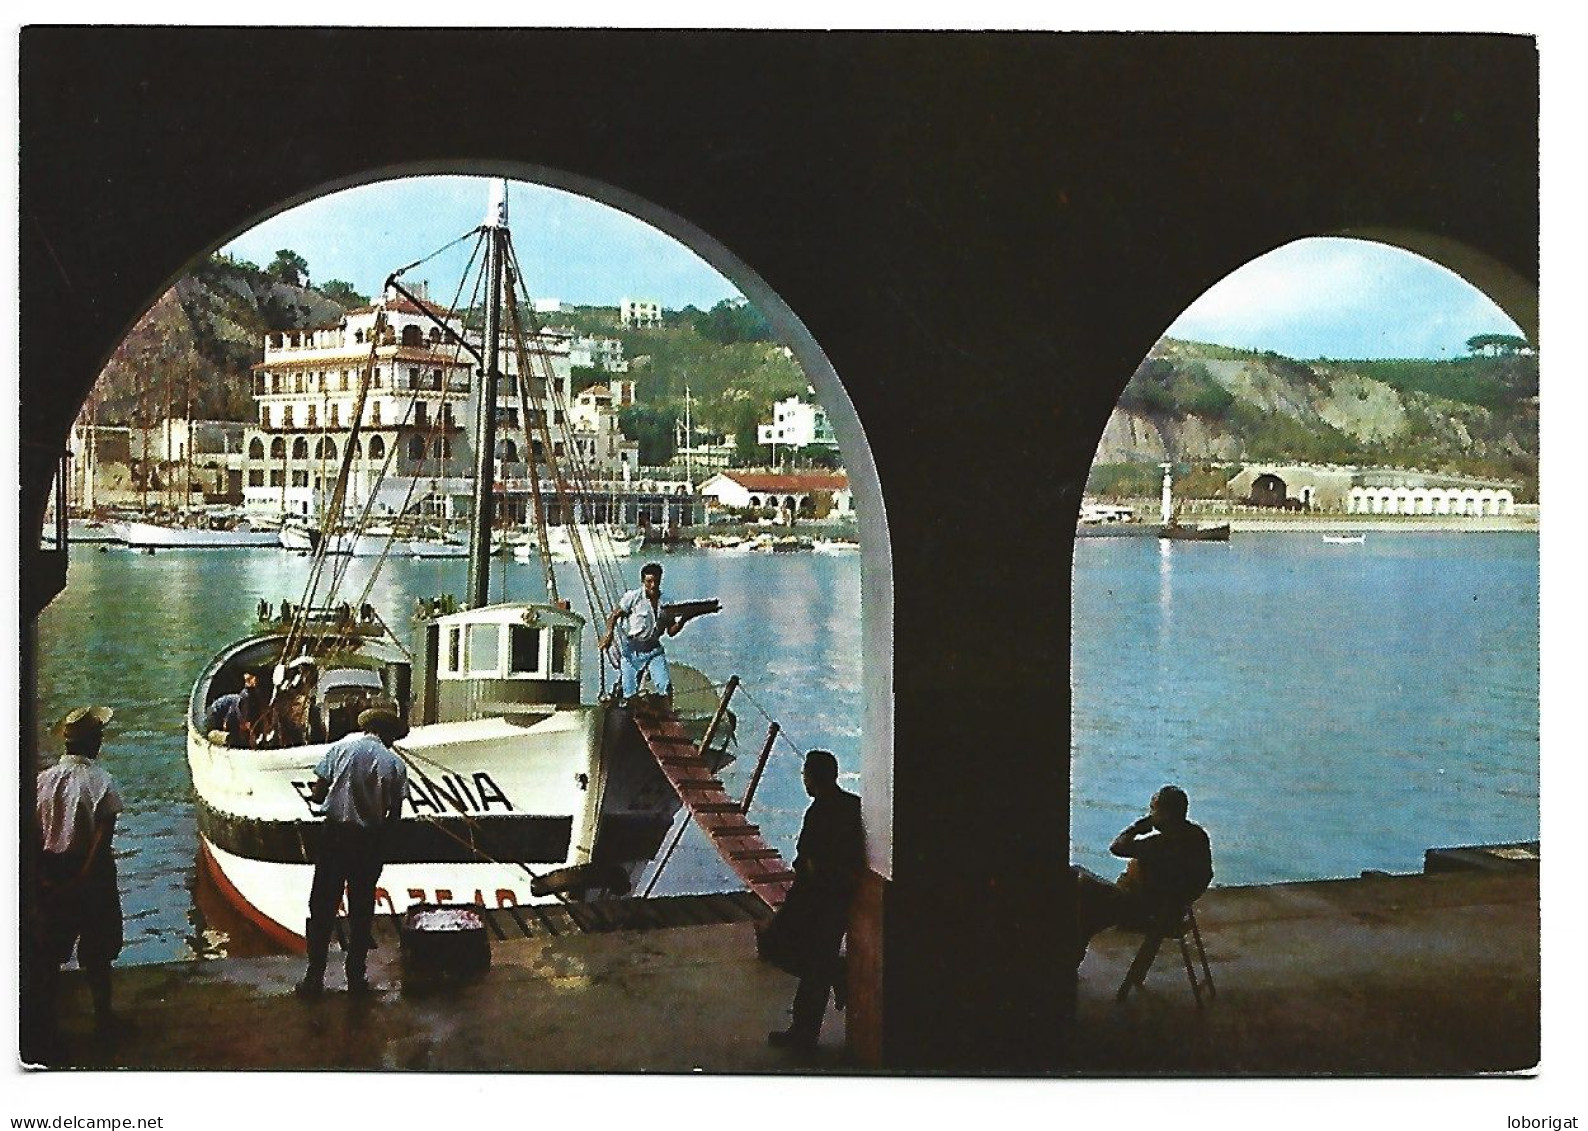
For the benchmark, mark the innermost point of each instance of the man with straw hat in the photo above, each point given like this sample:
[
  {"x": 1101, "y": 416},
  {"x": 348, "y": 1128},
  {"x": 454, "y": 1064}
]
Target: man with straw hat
[
  {"x": 79, "y": 904},
  {"x": 361, "y": 782}
]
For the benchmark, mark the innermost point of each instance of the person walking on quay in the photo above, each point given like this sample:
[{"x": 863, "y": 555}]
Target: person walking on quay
[
  {"x": 640, "y": 644},
  {"x": 1170, "y": 865},
  {"x": 361, "y": 782},
  {"x": 805, "y": 935},
  {"x": 78, "y": 900}
]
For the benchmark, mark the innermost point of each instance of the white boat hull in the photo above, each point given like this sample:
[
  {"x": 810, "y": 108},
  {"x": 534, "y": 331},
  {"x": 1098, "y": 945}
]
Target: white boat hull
[
  {"x": 423, "y": 548},
  {"x": 149, "y": 535},
  {"x": 598, "y": 544},
  {"x": 533, "y": 788}
]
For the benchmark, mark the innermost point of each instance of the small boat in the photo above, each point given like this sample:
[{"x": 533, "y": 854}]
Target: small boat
[
  {"x": 1345, "y": 539},
  {"x": 435, "y": 544},
  {"x": 1178, "y": 532},
  {"x": 835, "y": 546},
  {"x": 1173, "y": 530},
  {"x": 196, "y": 533},
  {"x": 596, "y": 542},
  {"x": 297, "y": 535}
]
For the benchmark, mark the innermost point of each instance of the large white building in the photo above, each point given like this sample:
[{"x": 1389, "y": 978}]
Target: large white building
[
  {"x": 797, "y": 424},
  {"x": 640, "y": 312},
  {"x": 414, "y": 451}
]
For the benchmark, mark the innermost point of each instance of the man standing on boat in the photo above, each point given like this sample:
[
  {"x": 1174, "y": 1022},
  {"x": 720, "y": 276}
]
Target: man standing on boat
[
  {"x": 640, "y": 645},
  {"x": 361, "y": 782},
  {"x": 805, "y": 936},
  {"x": 79, "y": 903},
  {"x": 1170, "y": 865},
  {"x": 234, "y": 715}
]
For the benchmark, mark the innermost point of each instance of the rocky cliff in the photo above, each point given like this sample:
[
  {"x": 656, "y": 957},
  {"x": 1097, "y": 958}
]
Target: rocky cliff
[
  {"x": 1193, "y": 403},
  {"x": 192, "y": 352}
]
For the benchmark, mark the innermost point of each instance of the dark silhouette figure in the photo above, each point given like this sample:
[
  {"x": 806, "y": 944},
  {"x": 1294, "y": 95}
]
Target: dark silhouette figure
[
  {"x": 805, "y": 935},
  {"x": 1170, "y": 865}
]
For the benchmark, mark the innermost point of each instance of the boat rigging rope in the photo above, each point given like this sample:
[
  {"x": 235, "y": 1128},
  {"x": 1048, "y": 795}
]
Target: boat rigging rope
[{"x": 412, "y": 760}]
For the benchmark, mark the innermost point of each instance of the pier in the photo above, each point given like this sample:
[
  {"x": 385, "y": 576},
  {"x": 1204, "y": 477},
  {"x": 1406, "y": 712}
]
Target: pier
[{"x": 1429, "y": 974}]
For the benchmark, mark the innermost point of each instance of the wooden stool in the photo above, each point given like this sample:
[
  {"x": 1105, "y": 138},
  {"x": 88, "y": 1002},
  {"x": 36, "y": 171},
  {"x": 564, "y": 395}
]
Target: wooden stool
[{"x": 1182, "y": 928}]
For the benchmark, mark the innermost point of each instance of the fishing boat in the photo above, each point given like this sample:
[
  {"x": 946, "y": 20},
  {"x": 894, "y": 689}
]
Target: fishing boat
[
  {"x": 521, "y": 788},
  {"x": 1345, "y": 539},
  {"x": 1178, "y": 532}
]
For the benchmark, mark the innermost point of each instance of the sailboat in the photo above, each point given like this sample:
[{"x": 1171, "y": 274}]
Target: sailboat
[{"x": 520, "y": 790}]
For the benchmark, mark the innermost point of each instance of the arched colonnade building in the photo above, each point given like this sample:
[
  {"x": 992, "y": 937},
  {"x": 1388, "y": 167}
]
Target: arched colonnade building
[{"x": 1430, "y": 500}]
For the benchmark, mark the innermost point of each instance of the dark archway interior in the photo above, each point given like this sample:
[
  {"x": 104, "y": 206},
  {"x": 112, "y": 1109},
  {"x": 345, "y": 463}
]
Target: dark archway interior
[{"x": 985, "y": 233}]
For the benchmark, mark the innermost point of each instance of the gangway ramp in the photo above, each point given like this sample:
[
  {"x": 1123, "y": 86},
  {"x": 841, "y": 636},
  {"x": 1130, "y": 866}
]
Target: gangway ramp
[{"x": 723, "y": 819}]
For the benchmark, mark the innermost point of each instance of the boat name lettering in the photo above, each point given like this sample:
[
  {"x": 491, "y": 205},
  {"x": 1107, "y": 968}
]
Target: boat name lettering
[
  {"x": 450, "y": 793},
  {"x": 455, "y": 793}
]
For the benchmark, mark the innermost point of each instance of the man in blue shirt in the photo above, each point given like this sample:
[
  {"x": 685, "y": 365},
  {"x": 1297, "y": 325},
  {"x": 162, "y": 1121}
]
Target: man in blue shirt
[
  {"x": 234, "y": 715},
  {"x": 361, "y": 782},
  {"x": 640, "y": 643}
]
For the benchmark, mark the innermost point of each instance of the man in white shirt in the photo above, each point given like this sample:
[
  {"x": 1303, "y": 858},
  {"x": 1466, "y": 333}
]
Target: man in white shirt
[
  {"x": 79, "y": 903},
  {"x": 640, "y": 644},
  {"x": 361, "y": 783}
]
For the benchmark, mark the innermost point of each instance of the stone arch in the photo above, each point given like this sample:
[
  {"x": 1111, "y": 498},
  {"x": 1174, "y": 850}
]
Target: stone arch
[
  {"x": 325, "y": 448},
  {"x": 256, "y": 448},
  {"x": 300, "y": 448},
  {"x": 1269, "y": 490},
  {"x": 278, "y": 448},
  {"x": 377, "y": 448}
]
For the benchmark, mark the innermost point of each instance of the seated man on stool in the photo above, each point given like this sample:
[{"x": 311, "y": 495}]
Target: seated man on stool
[{"x": 1171, "y": 863}]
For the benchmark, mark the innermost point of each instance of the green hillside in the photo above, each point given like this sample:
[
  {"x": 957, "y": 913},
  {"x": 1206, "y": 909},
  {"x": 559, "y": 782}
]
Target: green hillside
[{"x": 1208, "y": 406}]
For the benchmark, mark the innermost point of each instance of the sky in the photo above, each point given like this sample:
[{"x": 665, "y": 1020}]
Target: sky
[
  {"x": 1342, "y": 299},
  {"x": 1320, "y": 297},
  {"x": 570, "y": 247}
]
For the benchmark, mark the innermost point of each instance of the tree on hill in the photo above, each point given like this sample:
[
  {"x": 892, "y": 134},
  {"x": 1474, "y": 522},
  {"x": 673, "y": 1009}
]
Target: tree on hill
[
  {"x": 1496, "y": 345},
  {"x": 654, "y": 428},
  {"x": 288, "y": 267},
  {"x": 733, "y": 320},
  {"x": 342, "y": 293}
]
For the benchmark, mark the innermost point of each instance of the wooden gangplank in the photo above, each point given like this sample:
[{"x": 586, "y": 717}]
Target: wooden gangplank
[{"x": 737, "y": 841}]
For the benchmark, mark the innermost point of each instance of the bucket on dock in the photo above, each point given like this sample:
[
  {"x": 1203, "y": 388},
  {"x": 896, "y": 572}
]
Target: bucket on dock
[{"x": 442, "y": 942}]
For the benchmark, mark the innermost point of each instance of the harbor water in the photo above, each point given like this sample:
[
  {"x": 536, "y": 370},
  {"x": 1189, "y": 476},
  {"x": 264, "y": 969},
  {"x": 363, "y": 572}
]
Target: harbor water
[
  {"x": 134, "y": 630},
  {"x": 1329, "y": 709}
]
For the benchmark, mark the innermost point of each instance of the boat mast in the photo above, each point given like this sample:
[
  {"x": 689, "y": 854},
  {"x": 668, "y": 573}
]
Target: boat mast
[{"x": 485, "y": 417}]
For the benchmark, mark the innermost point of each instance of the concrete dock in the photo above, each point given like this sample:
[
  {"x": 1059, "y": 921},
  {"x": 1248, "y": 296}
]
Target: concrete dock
[{"x": 1434, "y": 974}]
